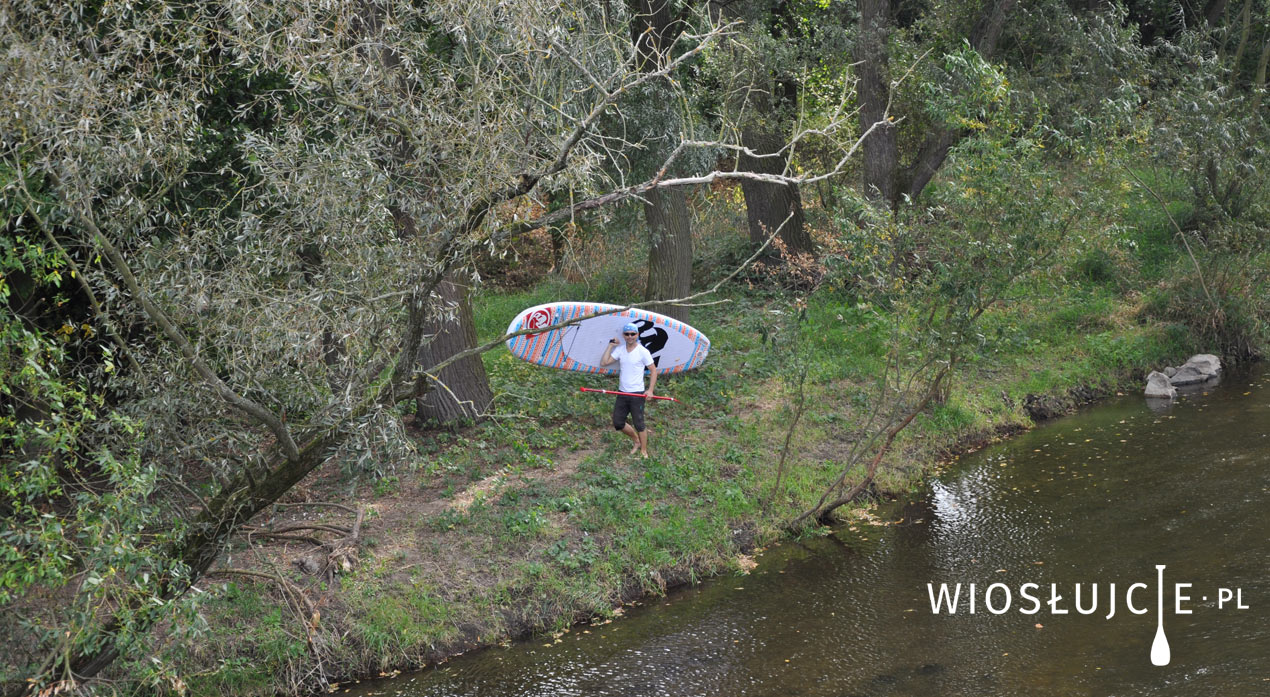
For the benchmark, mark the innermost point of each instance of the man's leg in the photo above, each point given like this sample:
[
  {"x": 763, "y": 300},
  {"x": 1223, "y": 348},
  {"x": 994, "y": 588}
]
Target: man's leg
[
  {"x": 634, "y": 436},
  {"x": 621, "y": 407},
  {"x": 641, "y": 433}
]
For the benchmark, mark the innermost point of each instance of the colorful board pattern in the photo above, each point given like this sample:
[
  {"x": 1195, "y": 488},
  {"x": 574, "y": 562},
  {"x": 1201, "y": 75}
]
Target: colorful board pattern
[{"x": 675, "y": 346}]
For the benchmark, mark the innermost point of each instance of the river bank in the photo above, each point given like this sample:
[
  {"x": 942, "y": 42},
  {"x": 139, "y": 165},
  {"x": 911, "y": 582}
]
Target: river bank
[
  {"x": 538, "y": 519},
  {"x": 1072, "y": 512}
]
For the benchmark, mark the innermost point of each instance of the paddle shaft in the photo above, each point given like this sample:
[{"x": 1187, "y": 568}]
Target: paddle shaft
[{"x": 628, "y": 394}]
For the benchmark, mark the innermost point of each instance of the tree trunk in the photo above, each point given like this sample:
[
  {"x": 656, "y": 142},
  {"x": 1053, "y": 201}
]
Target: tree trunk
[
  {"x": 654, "y": 27},
  {"x": 1214, "y": 11},
  {"x": 767, "y": 206},
  {"x": 930, "y": 157},
  {"x": 770, "y": 101},
  {"x": 1245, "y": 19},
  {"x": 254, "y": 486},
  {"x": 468, "y": 394},
  {"x": 987, "y": 31},
  {"x": 1259, "y": 82},
  {"x": 462, "y": 389},
  {"x": 879, "y": 156},
  {"x": 669, "y": 249}
]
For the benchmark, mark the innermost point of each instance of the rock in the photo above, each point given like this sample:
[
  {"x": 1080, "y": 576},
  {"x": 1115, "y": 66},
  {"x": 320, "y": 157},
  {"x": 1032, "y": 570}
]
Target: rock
[
  {"x": 308, "y": 565},
  {"x": 1170, "y": 371},
  {"x": 1161, "y": 406},
  {"x": 1188, "y": 375},
  {"x": 1159, "y": 387},
  {"x": 1207, "y": 363},
  {"x": 1199, "y": 368}
]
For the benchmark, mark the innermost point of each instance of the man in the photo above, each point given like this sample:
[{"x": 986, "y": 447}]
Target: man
[{"x": 631, "y": 360}]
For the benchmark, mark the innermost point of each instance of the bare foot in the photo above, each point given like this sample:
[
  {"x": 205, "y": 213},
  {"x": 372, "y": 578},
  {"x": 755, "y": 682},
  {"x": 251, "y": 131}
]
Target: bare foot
[
  {"x": 643, "y": 454},
  {"x": 635, "y": 449}
]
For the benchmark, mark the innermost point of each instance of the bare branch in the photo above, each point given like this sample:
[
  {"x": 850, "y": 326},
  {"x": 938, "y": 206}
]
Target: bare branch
[{"x": 570, "y": 211}]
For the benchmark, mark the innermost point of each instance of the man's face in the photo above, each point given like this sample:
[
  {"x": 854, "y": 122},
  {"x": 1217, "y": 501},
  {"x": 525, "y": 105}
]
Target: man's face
[{"x": 630, "y": 338}]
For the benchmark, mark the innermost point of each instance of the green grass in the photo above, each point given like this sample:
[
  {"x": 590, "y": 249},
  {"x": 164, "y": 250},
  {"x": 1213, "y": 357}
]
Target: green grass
[
  {"x": 272, "y": 643},
  {"x": 547, "y": 553},
  {"x": 574, "y": 522},
  {"x": 408, "y": 617}
]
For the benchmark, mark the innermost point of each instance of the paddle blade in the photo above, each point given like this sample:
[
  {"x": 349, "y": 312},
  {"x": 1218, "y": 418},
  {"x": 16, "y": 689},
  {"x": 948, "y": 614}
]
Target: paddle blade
[{"x": 1160, "y": 648}]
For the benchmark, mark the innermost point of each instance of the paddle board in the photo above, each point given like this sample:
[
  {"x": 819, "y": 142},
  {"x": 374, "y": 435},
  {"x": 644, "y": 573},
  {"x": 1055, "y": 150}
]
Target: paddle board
[{"x": 675, "y": 346}]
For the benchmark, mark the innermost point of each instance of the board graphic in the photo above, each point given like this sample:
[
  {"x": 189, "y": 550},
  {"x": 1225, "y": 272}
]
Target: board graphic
[{"x": 675, "y": 346}]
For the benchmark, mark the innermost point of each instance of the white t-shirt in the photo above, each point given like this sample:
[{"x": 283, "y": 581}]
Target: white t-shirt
[{"x": 631, "y": 366}]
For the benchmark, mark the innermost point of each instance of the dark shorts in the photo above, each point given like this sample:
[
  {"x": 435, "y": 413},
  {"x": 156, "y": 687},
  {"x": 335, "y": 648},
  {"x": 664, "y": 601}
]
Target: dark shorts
[{"x": 624, "y": 405}]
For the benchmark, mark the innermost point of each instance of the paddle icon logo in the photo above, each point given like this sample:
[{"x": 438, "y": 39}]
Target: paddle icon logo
[
  {"x": 1160, "y": 654},
  {"x": 999, "y": 598}
]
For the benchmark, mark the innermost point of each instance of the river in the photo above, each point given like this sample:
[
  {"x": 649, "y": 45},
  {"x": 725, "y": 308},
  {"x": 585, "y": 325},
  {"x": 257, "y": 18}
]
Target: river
[{"x": 1098, "y": 498}]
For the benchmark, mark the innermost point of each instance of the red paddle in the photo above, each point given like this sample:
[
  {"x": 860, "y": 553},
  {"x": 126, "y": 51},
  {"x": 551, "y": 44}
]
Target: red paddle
[{"x": 629, "y": 394}]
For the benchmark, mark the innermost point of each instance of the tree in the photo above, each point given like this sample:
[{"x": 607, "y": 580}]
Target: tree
[
  {"x": 241, "y": 320},
  {"x": 277, "y": 324},
  {"x": 655, "y": 27},
  {"x": 1000, "y": 220},
  {"x": 462, "y": 391},
  {"x": 882, "y": 173},
  {"x": 766, "y": 101}
]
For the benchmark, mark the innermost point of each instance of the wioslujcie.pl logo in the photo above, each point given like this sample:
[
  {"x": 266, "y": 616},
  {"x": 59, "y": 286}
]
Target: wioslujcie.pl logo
[{"x": 1032, "y": 598}]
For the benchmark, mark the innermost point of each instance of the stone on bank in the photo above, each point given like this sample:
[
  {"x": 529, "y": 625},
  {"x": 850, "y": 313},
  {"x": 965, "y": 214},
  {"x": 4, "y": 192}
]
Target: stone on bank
[{"x": 1198, "y": 369}]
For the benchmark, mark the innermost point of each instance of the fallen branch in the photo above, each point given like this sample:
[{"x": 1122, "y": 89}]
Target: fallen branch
[
  {"x": 296, "y": 599},
  {"x": 293, "y": 538},
  {"x": 321, "y": 527},
  {"x": 283, "y": 506}
]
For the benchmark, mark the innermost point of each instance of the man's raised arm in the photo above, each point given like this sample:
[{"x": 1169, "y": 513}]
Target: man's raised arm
[{"x": 608, "y": 358}]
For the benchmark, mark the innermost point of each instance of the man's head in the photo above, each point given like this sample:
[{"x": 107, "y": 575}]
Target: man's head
[{"x": 630, "y": 332}]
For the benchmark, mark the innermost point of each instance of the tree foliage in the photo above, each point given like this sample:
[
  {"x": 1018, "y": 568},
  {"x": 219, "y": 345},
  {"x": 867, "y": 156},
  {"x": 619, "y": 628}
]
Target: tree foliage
[
  {"x": 232, "y": 229},
  {"x": 270, "y": 309}
]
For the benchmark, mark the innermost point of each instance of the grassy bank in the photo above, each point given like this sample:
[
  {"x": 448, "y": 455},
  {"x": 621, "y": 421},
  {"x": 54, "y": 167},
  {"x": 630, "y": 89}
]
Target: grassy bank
[{"x": 537, "y": 518}]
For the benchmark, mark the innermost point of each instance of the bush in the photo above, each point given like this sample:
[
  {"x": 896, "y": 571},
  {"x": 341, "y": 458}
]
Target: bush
[
  {"x": 1226, "y": 308},
  {"x": 1096, "y": 266}
]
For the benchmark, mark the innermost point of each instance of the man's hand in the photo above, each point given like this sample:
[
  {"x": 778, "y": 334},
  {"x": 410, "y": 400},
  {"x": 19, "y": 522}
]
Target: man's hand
[{"x": 648, "y": 394}]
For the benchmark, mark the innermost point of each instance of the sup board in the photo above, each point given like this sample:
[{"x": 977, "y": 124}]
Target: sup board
[{"x": 675, "y": 346}]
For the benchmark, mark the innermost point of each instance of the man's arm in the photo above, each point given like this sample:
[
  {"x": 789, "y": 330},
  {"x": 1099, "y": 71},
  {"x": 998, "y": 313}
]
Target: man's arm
[
  {"x": 608, "y": 358},
  {"x": 652, "y": 380}
]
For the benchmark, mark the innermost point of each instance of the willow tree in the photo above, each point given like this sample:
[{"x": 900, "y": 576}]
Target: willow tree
[
  {"x": 261, "y": 203},
  {"x": 278, "y": 323}
]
